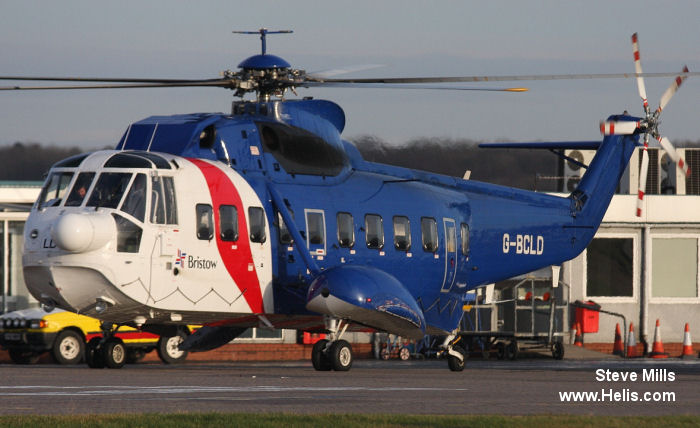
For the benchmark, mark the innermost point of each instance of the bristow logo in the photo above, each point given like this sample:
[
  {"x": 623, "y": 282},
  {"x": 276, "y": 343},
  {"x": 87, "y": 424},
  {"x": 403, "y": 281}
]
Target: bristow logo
[
  {"x": 193, "y": 262},
  {"x": 524, "y": 244},
  {"x": 180, "y": 260}
]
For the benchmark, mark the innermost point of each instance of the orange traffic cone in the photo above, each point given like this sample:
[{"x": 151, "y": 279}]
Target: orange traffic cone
[
  {"x": 657, "y": 349},
  {"x": 618, "y": 347},
  {"x": 578, "y": 339},
  {"x": 687, "y": 344},
  {"x": 631, "y": 343}
]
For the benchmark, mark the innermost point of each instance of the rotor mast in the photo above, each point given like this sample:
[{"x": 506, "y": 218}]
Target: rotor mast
[{"x": 267, "y": 75}]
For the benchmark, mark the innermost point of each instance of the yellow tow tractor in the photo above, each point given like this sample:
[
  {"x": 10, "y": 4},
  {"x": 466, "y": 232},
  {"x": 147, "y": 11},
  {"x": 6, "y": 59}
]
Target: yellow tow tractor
[{"x": 28, "y": 333}]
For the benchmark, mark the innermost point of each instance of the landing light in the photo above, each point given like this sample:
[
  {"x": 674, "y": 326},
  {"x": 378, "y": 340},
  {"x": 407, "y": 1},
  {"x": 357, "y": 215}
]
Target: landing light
[
  {"x": 102, "y": 303},
  {"x": 48, "y": 305}
]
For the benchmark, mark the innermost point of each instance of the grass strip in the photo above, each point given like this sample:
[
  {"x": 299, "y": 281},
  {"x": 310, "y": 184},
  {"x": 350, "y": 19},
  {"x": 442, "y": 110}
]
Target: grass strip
[{"x": 174, "y": 420}]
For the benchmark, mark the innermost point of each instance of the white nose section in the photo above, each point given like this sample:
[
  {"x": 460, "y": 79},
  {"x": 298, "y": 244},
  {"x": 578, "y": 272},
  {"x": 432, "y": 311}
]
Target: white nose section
[{"x": 79, "y": 233}]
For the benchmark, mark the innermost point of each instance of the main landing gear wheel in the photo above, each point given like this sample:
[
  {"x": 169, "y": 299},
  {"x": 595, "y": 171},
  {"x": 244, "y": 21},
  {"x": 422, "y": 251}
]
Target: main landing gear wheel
[
  {"x": 319, "y": 357},
  {"x": 68, "y": 348},
  {"x": 404, "y": 354},
  {"x": 341, "y": 355},
  {"x": 334, "y": 354}
]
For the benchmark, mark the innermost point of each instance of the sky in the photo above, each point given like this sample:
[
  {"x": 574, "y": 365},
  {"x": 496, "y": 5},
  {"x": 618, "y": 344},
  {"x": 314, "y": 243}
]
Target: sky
[{"x": 185, "y": 39}]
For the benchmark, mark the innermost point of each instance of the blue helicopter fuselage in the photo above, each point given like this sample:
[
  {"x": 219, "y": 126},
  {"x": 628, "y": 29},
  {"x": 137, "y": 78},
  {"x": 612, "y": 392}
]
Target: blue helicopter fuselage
[{"x": 436, "y": 236}]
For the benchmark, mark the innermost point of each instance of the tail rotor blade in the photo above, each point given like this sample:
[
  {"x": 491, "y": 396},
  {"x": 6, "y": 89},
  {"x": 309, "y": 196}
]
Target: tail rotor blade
[
  {"x": 643, "y": 178},
  {"x": 666, "y": 97},
  {"x": 638, "y": 71},
  {"x": 674, "y": 155}
]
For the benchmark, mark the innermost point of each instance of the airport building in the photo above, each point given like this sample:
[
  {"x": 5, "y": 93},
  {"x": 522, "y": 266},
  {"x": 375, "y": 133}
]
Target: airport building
[{"x": 644, "y": 268}]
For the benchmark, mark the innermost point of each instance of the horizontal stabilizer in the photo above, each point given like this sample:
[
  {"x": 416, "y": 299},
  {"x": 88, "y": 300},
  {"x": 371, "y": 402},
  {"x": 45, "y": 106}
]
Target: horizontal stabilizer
[{"x": 547, "y": 145}]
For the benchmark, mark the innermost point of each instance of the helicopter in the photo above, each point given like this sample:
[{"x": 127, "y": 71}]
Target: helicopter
[{"x": 267, "y": 217}]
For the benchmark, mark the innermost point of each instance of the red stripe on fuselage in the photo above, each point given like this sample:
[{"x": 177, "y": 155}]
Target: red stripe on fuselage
[{"x": 237, "y": 261}]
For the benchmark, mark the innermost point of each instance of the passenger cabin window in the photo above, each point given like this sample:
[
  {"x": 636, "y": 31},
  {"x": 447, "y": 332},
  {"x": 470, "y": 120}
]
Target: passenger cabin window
[
  {"x": 346, "y": 230},
  {"x": 55, "y": 189},
  {"x": 80, "y": 189},
  {"x": 228, "y": 223},
  {"x": 285, "y": 236},
  {"x": 428, "y": 227},
  {"x": 374, "y": 228},
  {"x": 163, "y": 206},
  {"x": 402, "y": 233},
  {"x": 109, "y": 190},
  {"x": 315, "y": 228},
  {"x": 465, "y": 239},
  {"x": 135, "y": 201},
  {"x": 205, "y": 229},
  {"x": 256, "y": 219}
]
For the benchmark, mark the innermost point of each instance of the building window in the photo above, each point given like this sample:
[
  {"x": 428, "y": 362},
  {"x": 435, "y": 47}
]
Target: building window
[
  {"x": 261, "y": 334},
  {"x": 610, "y": 267},
  {"x": 205, "y": 231},
  {"x": 228, "y": 223},
  {"x": 402, "y": 233},
  {"x": 346, "y": 230},
  {"x": 374, "y": 228},
  {"x": 428, "y": 227},
  {"x": 256, "y": 217},
  {"x": 674, "y": 267}
]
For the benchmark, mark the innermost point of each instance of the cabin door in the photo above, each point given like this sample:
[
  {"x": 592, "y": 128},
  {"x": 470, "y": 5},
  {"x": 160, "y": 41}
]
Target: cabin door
[{"x": 450, "y": 229}]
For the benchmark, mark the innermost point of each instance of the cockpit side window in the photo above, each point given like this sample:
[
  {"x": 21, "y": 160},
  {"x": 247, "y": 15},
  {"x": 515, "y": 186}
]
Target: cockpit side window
[
  {"x": 80, "y": 188},
  {"x": 109, "y": 189},
  {"x": 163, "y": 206},
  {"x": 55, "y": 189},
  {"x": 135, "y": 201}
]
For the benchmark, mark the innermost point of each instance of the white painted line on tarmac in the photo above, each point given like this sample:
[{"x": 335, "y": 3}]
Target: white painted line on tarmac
[{"x": 57, "y": 390}]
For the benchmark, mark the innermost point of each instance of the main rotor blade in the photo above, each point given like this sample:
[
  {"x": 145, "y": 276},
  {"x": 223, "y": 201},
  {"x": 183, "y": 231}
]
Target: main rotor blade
[
  {"x": 455, "y": 79},
  {"x": 213, "y": 83},
  {"x": 308, "y": 84},
  {"x": 638, "y": 70},
  {"x": 101, "y": 79}
]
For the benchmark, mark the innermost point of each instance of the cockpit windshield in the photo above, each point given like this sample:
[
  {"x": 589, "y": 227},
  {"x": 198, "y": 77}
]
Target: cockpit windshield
[
  {"x": 109, "y": 189},
  {"x": 55, "y": 189}
]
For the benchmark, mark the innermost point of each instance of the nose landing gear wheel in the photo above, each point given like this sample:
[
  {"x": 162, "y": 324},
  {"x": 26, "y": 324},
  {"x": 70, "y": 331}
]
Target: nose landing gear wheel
[
  {"x": 93, "y": 356},
  {"x": 169, "y": 351},
  {"x": 114, "y": 353},
  {"x": 455, "y": 364}
]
